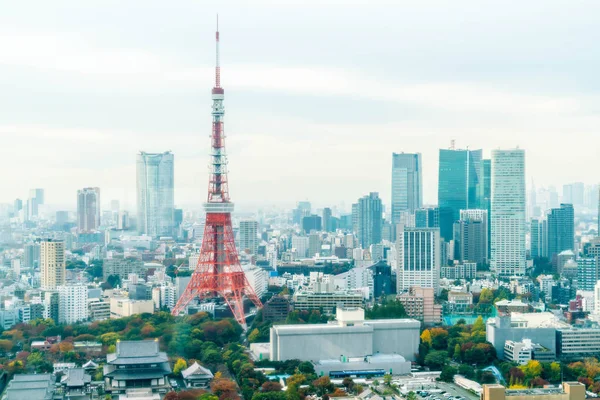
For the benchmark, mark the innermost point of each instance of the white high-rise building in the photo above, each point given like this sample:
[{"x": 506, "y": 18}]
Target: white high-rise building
[
  {"x": 155, "y": 196},
  {"x": 418, "y": 258},
  {"x": 52, "y": 263},
  {"x": 597, "y": 298},
  {"x": 249, "y": 236},
  {"x": 72, "y": 303},
  {"x": 508, "y": 212},
  {"x": 257, "y": 278},
  {"x": 300, "y": 243}
]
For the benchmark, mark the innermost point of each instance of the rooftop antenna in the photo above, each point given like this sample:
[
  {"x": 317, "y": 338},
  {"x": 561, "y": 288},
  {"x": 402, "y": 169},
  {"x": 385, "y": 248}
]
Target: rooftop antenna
[
  {"x": 452, "y": 144},
  {"x": 218, "y": 65}
]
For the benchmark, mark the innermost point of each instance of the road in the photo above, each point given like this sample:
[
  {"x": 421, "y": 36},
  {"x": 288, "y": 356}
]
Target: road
[{"x": 456, "y": 390}]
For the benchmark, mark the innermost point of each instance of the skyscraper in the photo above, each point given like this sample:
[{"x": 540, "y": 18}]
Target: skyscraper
[
  {"x": 561, "y": 230},
  {"x": 88, "y": 209},
  {"x": 249, "y": 235},
  {"x": 52, "y": 263},
  {"x": 573, "y": 193},
  {"x": 471, "y": 235},
  {"x": 427, "y": 218},
  {"x": 36, "y": 199},
  {"x": 311, "y": 223},
  {"x": 72, "y": 300},
  {"x": 539, "y": 242},
  {"x": 418, "y": 258},
  {"x": 508, "y": 212},
  {"x": 327, "y": 221},
  {"x": 458, "y": 187},
  {"x": 407, "y": 193},
  {"x": 155, "y": 197},
  {"x": 370, "y": 221}
]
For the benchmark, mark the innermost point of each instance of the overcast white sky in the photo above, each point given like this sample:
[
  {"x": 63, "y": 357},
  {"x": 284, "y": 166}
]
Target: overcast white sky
[{"x": 318, "y": 94}]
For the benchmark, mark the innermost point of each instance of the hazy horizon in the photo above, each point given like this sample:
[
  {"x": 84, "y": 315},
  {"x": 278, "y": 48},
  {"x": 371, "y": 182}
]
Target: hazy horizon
[{"x": 317, "y": 97}]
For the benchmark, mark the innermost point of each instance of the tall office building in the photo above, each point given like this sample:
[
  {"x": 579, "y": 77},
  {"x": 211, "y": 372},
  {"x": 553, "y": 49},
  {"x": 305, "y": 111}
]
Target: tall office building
[
  {"x": 18, "y": 206},
  {"x": 508, "y": 254},
  {"x": 311, "y": 223},
  {"x": 249, "y": 236},
  {"x": 458, "y": 186},
  {"x": 36, "y": 199},
  {"x": 52, "y": 263},
  {"x": 300, "y": 244},
  {"x": 302, "y": 210},
  {"x": 155, "y": 197},
  {"x": 561, "y": 230},
  {"x": 314, "y": 244},
  {"x": 88, "y": 209},
  {"x": 407, "y": 192},
  {"x": 574, "y": 193},
  {"x": 588, "y": 273},
  {"x": 72, "y": 303},
  {"x": 327, "y": 220},
  {"x": 485, "y": 196},
  {"x": 418, "y": 258},
  {"x": 427, "y": 218},
  {"x": 539, "y": 242},
  {"x": 370, "y": 220},
  {"x": 470, "y": 236},
  {"x": 31, "y": 255}
]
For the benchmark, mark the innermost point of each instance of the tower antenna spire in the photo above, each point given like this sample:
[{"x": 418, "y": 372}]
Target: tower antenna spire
[{"x": 218, "y": 63}]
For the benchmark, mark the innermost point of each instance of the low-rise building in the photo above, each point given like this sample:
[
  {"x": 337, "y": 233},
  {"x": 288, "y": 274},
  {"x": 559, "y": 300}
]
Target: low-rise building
[
  {"x": 524, "y": 351},
  {"x": 575, "y": 342},
  {"x": 509, "y": 306},
  {"x": 308, "y": 300},
  {"x": 276, "y": 309},
  {"x": 124, "y": 307},
  {"x": 460, "y": 271},
  {"x": 458, "y": 302},
  {"x": 568, "y": 391},
  {"x": 30, "y": 387},
  {"x": 419, "y": 303},
  {"x": 196, "y": 376}
]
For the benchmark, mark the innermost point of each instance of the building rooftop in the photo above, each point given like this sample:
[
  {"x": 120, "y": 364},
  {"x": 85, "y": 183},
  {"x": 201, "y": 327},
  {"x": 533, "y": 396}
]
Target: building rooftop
[
  {"x": 137, "y": 352},
  {"x": 196, "y": 370}
]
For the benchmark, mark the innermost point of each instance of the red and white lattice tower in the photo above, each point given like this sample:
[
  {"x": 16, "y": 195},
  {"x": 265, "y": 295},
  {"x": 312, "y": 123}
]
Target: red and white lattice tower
[{"x": 218, "y": 272}]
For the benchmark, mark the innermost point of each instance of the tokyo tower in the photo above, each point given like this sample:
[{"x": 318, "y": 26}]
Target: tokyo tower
[{"x": 218, "y": 272}]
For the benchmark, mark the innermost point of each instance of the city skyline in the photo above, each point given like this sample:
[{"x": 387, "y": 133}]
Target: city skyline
[{"x": 106, "y": 96}]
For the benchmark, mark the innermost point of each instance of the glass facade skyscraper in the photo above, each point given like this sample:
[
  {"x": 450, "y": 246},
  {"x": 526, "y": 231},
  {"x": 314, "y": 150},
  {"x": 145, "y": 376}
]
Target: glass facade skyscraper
[
  {"x": 458, "y": 187},
  {"x": 508, "y": 212},
  {"x": 407, "y": 192},
  {"x": 561, "y": 230},
  {"x": 155, "y": 195},
  {"x": 370, "y": 220}
]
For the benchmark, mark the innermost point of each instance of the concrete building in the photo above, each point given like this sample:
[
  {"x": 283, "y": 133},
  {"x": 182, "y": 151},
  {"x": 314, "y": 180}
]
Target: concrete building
[
  {"x": 508, "y": 254},
  {"x": 349, "y": 336},
  {"x": 257, "y": 278},
  {"x": 458, "y": 302},
  {"x": 52, "y": 263},
  {"x": 419, "y": 303},
  {"x": 276, "y": 309},
  {"x": 314, "y": 244},
  {"x": 577, "y": 343},
  {"x": 418, "y": 258},
  {"x": 313, "y": 300},
  {"x": 249, "y": 236},
  {"x": 73, "y": 305},
  {"x": 155, "y": 195},
  {"x": 360, "y": 278},
  {"x": 539, "y": 239},
  {"x": 88, "y": 209},
  {"x": 98, "y": 309},
  {"x": 407, "y": 183},
  {"x": 122, "y": 267},
  {"x": 459, "y": 271},
  {"x": 569, "y": 391},
  {"x": 300, "y": 243},
  {"x": 523, "y": 351},
  {"x": 124, "y": 307},
  {"x": 539, "y": 327}
]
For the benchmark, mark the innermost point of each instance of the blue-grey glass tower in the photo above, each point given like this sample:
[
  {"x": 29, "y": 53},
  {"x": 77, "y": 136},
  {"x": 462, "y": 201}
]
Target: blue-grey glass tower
[
  {"x": 369, "y": 220},
  {"x": 407, "y": 192},
  {"x": 561, "y": 230},
  {"x": 458, "y": 187},
  {"x": 155, "y": 195}
]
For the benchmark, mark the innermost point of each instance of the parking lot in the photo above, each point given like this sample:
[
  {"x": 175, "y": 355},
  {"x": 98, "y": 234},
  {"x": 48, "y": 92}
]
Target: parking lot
[{"x": 457, "y": 391}]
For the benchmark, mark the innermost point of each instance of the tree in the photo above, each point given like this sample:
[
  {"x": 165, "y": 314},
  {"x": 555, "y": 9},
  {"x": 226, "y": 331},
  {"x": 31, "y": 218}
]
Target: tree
[
  {"x": 6, "y": 345},
  {"x": 387, "y": 379},
  {"x": 35, "y": 359},
  {"x": 322, "y": 385},
  {"x": 447, "y": 374},
  {"x": 479, "y": 325},
  {"x": 269, "y": 396},
  {"x": 457, "y": 353},
  {"x": 426, "y": 337},
  {"x": 224, "y": 388},
  {"x": 439, "y": 338},
  {"x": 348, "y": 383},
  {"x": 466, "y": 370},
  {"x": 65, "y": 347},
  {"x": 436, "y": 359},
  {"x": 532, "y": 369},
  {"x": 180, "y": 365},
  {"x": 306, "y": 367},
  {"x": 171, "y": 396},
  {"x": 270, "y": 386},
  {"x": 253, "y": 336},
  {"x": 411, "y": 396},
  {"x": 554, "y": 374}
]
